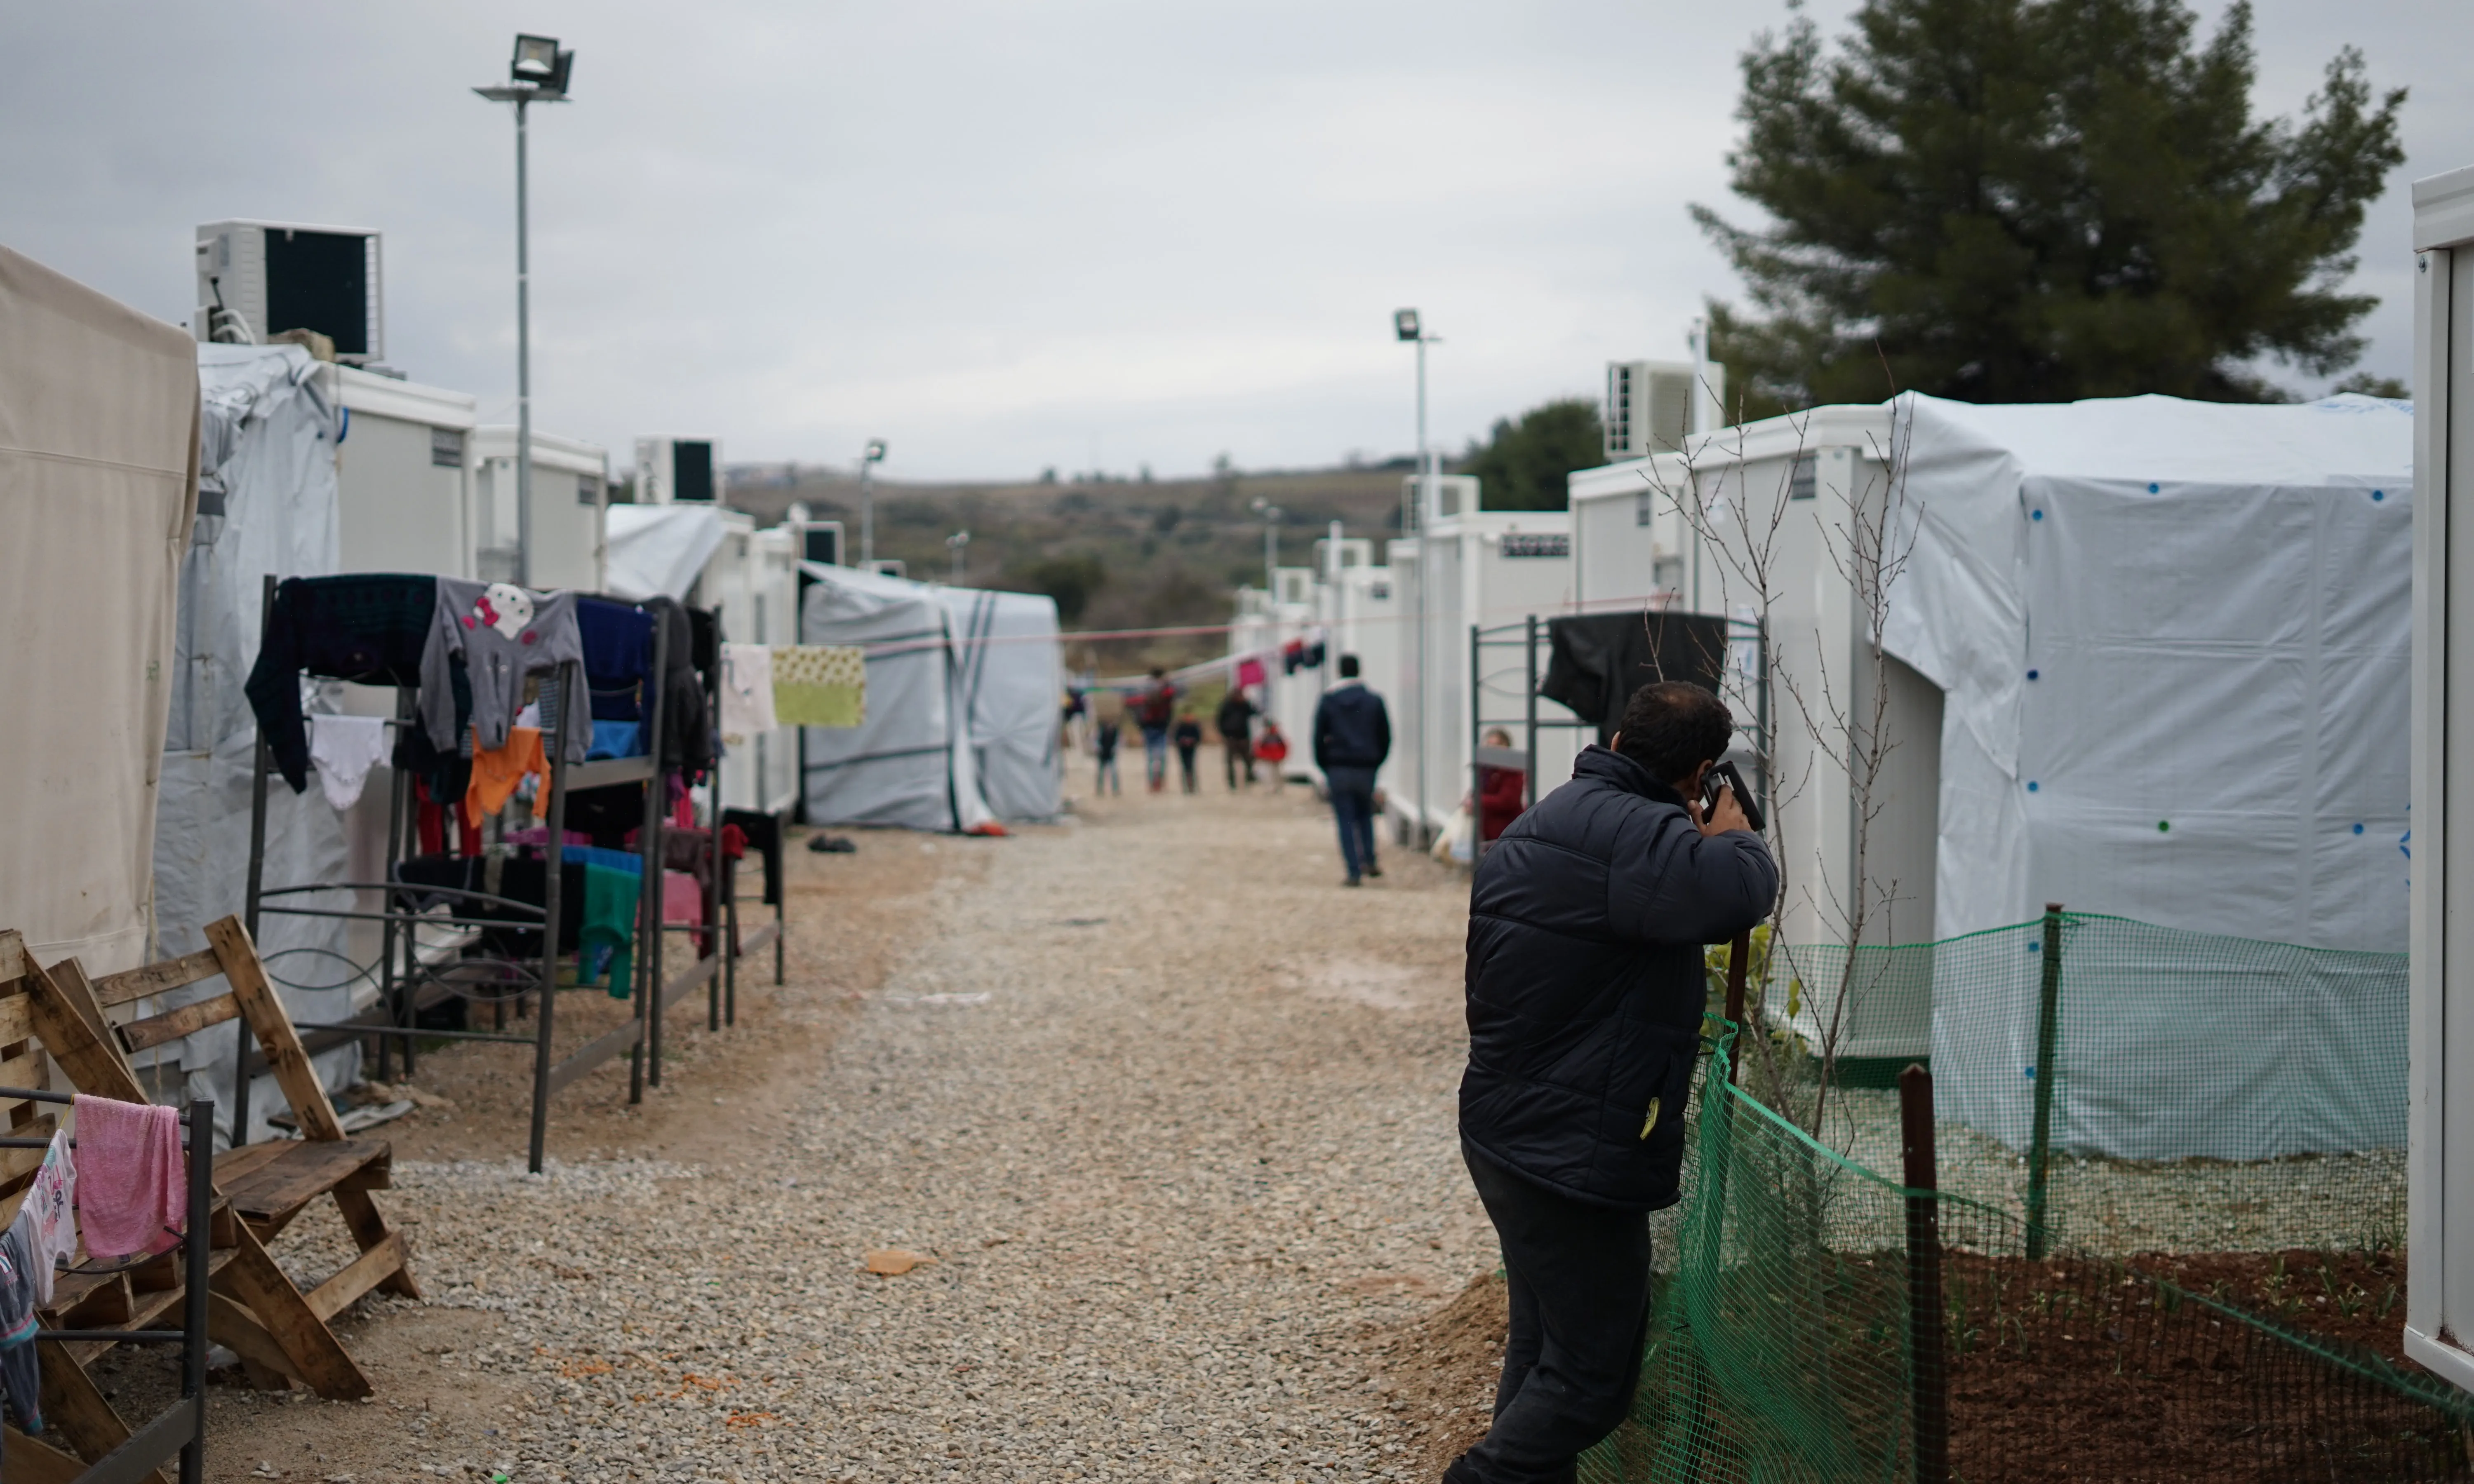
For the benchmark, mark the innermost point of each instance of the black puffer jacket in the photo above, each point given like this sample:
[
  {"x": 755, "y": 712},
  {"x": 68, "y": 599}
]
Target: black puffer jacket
[{"x": 1586, "y": 984}]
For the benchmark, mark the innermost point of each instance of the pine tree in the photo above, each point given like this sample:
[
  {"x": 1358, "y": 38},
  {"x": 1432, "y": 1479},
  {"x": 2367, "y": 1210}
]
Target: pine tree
[{"x": 2037, "y": 200}]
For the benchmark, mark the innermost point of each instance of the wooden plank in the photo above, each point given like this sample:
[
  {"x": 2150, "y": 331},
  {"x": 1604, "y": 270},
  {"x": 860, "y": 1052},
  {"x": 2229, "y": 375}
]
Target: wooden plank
[
  {"x": 277, "y": 1040},
  {"x": 93, "y": 1301},
  {"x": 593, "y": 1053},
  {"x": 233, "y": 1323},
  {"x": 363, "y": 1274},
  {"x": 305, "y": 1169},
  {"x": 95, "y": 1067},
  {"x": 370, "y": 1230},
  {"x": 146, "y": 979},
  {"x": 173, "y": 1024},
  {"x": 73, "y": 1404},
  {"x": 15, "y": 1025},
  {"x": 703, "y": 969},
  {"x": 69, "y": 975},
  {"x": 12, "y": 956},
  {"x": 317, "y": 1358},
  {"x": 234, "y": 1166},
  {"x": 26, "y": 1460}
]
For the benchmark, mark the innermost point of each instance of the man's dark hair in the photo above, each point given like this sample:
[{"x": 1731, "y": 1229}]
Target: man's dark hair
[
  {"x": 1159, "y": 674},
  {"x": 1674, "y": 727},
  {"x": 1348, "y": 667}
]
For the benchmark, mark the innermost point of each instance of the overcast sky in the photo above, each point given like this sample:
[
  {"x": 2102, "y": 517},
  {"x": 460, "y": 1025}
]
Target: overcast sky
[{"x": 1002, "y": 236}]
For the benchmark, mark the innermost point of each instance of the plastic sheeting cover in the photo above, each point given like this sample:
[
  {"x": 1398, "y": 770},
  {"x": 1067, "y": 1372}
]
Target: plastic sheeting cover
[
  {"x": 911, "y": 763},
  {"x": 1013, "y": 684},
  {"x": 658, "y": 551}
]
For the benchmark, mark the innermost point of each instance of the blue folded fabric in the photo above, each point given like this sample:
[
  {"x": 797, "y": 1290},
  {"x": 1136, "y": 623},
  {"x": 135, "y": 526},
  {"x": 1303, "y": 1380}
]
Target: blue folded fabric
[
  {"x": 617, "y": 739},
  {"x": 608, "y": 859}
]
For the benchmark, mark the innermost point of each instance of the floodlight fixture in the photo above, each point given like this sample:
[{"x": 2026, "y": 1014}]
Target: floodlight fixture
[
  {"x": 536, "y": 58},
  {"x": 1404, "y": 325},
  {"x": 876, "y": 451},
  {"x": 870, "y": 457}
]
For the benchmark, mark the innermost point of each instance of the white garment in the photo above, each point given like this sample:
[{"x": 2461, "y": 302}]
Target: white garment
[
  {"x": 345, "y": 749},
  {"x": 47, "y": 1222},
  {"x": 746, "y": 692}
]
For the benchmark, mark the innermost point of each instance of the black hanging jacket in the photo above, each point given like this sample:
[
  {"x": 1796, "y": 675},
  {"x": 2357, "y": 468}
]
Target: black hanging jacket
[{"x": 1586, "y": 986}]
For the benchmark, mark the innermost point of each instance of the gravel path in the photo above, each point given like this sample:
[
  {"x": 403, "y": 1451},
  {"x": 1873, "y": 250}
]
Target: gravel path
[{"x": 1169, "y": 1111}]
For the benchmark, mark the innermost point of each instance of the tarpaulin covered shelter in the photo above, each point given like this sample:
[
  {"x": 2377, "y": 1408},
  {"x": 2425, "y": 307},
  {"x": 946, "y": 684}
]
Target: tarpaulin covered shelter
[
  {"x": 268, "y": 506},
  {"x": 911, "y": 762},
  {"x": 1013, "y": 682},
  {"x": 98, "y": 488},
  {"x": 658, "y": 551}
]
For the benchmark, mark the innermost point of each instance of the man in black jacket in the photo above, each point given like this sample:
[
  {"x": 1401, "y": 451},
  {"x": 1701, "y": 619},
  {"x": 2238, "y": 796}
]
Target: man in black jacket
[
  {"x": 1585, "y": 993},
  {"x": 1236, "y": 721},
  {"x": 1352, "y": 735}
]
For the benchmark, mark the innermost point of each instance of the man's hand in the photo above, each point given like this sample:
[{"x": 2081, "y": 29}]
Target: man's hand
[{"x": 1721, "y": 817}]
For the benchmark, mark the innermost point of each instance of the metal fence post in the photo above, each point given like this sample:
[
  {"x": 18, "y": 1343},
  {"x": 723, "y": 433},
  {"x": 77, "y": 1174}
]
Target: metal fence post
[
  {"x": 2049, "y": 998},
  {"x": 1927, "y": 1374}
]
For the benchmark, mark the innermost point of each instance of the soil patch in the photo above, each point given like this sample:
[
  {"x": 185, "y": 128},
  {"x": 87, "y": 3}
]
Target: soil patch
[{"x": 1439, "y": 1370}]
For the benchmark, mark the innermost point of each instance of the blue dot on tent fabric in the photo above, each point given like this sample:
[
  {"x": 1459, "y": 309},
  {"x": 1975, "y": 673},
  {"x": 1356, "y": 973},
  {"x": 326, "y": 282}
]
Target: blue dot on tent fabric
[
  {"x": 2358, "y": 829},
  {"x": 2379, "y": 494},
  {"x": 2154, "y": 489},
  {"x": 2032, "y": 785},
  {"x": 2038, "y": 515},
  {"x": 2031, "y": 675},
  {"x": 2028, "y": 1071},
  {"x": 2035, "y": 947}
]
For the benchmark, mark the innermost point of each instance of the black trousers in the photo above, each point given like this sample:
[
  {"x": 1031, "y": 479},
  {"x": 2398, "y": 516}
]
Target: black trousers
[{"x": 1579, "y": 1288}]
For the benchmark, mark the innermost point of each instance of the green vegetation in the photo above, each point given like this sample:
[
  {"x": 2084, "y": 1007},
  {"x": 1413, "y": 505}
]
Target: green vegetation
[
  {"x": 2037, "y": 200},
  {"x": 1523, "y": 465}
]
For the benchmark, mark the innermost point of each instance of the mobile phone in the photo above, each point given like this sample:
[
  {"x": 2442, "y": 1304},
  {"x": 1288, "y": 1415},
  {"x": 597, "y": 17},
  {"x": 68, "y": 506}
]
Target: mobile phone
[{"x": 1723, "y": 775}]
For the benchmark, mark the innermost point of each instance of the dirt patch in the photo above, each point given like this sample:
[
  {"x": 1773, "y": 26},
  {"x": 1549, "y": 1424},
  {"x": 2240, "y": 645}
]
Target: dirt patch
[
  {"x": 1440, "y": 1371},
  {"x": 2355, "y": 1298}
]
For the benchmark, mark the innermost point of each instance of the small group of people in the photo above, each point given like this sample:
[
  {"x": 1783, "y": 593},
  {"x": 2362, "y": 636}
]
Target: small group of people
[{"x": 1153, "y": 708}]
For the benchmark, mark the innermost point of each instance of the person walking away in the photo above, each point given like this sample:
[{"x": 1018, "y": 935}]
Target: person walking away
[
  {"x": 1352, "y": 735},
  {"x": 1187, "y": 734},
  {"x": 1154, "y": 709},
  {"x": 1108, "y": 723},
  {"x": 1586, "y": 991},
  {"x": 1236, "y": 722},
  {"x": 1501, "y": 792},
  {"x": 1272, "y": 749}
]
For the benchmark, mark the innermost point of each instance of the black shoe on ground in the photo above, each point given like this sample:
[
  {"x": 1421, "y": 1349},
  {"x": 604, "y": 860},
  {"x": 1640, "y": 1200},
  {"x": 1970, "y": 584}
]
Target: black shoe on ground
[
  {"x": 1376, "y": 872},
  {"x": 1351, "y": 881}
]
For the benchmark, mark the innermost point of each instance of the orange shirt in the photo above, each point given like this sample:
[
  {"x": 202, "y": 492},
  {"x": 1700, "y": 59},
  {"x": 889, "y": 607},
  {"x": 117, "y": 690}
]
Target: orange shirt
[{"x": 496, "y": 773}]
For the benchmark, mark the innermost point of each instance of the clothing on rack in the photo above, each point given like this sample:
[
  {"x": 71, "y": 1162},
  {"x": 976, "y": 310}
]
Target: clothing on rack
[
  {"x": 47, "y": 1219},
  {"x": 763, "y": 833},
  {"x": 21, "y": 1374},
  {"x": 613, "y": 899},
  {"x": 498, "y": 770},
  {"x": 345, "y": 749},
  {"x": 820, "y": 685},
  {"x": 371, "y": 627},
  {"x": 746, "y": 693},
  {"x": 686, "y": 730},
  {"x": 128, "y": 1155},
  {"x": 504, "y": 633},
  {"x": 618, "y": 657},
  {"x": 1249, "y": 671},
  {"x": 1599, "y": 660},
  {"x": 616, "y": 739}
]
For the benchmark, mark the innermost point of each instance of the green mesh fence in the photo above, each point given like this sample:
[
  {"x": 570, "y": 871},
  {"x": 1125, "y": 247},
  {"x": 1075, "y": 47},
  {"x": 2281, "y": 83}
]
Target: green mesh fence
[
  {"x": 1783, "y": 1345},
  {"x": 2180, "y": 1092}
]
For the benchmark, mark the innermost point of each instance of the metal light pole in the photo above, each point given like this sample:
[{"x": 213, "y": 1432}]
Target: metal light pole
[
  {"x": 867, "y": 463},
  {"x": 538, "y": 74},
  {"x": 959, "y": 544},
  {"x": 1406, "y": 326},
  {"x": 1270, "y": 515}
]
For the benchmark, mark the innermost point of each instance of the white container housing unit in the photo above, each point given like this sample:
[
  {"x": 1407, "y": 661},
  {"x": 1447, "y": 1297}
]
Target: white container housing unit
[
  {"x": 571, "y": 494},
  {"x": 403, "y": 470},
  {"x": 2440, "y": 1219}
]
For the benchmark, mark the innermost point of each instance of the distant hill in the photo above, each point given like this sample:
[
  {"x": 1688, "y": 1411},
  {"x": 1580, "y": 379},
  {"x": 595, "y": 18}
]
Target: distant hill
[{"x": 1115, "y": 552}]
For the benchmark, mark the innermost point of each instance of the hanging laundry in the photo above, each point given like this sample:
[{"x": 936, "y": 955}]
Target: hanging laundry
[
  {"x": 496, "y": 771},
  {"x": 1249, "y": 671},
  {"x": 606, "y": 940},
  {"x": 371, "y": 626},
  {"x": 21, "y": 1374},
  {"x": 820, "y": 685},
  {"x": 345, "y": 749},
  {"x": 1312, "y": 658},
  {"x": 504, "y": 633},
  {"x": 746, "y": 693},
  {"x": 618, "y": 657},
  {"x": 685, "y": 734},
  {"x": 46, "y": 1222},
  {"x": 128, "y": 1161},
  {"x": 617, "y": 739},
  {"x": 1292, "y": 657}
]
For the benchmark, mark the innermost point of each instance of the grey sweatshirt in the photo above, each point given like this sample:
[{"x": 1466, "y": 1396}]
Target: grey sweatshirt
[{"x": 504, "y": 633}]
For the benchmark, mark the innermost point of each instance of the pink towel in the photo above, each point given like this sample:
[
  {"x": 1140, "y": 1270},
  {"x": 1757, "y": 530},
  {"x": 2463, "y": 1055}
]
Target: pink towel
[
  {"x": 682, "y": 898},
  {"x": 128, "y": 1177}
]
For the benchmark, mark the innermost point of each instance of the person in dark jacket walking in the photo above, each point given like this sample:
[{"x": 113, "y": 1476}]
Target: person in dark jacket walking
[
  {"x": 1236, "y": 720},
  {"x": 1585, "y": 993},
  {"x": 1352, "y": 735},
  {"x": 1187, "y": 735}
]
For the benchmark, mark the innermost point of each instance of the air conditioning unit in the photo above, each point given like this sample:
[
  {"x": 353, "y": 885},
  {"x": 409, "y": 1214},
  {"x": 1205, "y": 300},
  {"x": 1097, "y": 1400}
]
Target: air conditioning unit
[
  {"x": 1652, "y": 406},
  {"x": 819, "y": 542},
  {"x": 678, "y": 471},
  {"x": 257, "y": 280},
  {"x": 1455, "y": 496}
]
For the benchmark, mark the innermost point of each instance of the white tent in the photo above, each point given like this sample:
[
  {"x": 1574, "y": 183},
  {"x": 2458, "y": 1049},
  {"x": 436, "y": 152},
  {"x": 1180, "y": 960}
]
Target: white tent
[
  {"x": 658, "y": 551},
  {"x": 98, "y": 486},
  {"x": 267, "y": 506},
  {"x": 1013, "y": 688},
  {"x": 911, "y": 762}
]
